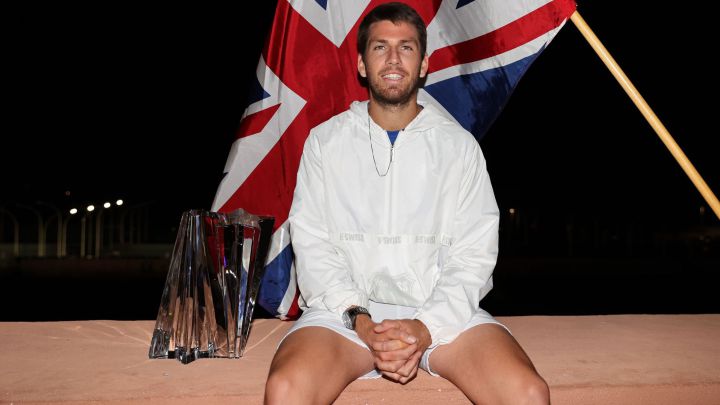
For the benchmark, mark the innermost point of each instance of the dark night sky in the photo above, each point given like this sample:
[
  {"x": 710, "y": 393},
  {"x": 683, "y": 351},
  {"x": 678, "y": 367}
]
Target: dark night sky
[{"x": 143, "y": 104}]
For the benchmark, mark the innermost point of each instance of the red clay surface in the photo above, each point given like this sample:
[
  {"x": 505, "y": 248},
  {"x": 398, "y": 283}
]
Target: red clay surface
[{"x": 617, "y": 359}]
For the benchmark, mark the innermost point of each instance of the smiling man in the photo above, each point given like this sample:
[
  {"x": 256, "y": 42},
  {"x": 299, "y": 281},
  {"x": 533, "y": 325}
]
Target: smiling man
[{"x": 394, "y": 226}]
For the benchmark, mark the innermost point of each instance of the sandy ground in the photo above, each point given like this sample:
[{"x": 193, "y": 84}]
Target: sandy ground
[{"x": 616, "y": 359}]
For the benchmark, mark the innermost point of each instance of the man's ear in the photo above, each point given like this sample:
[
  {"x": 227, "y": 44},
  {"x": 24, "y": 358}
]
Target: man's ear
[
  {"x": 361, "y": 66},
  {"x": 424, "y": 66}
]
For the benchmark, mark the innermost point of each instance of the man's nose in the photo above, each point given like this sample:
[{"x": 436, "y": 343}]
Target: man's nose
[{"x": 393, "y": 56}]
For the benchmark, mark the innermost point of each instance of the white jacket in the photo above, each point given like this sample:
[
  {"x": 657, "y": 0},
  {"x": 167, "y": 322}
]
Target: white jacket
[{"x": 425, "y": 235}]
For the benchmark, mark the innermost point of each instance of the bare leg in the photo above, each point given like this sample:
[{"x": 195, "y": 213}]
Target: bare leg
[
  {"x": 313, "y": 365},
  {"x": 488, "y": 365}
]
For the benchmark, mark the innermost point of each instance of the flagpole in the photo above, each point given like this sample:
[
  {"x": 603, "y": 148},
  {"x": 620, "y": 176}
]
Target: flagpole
[{"x": 648, "y": 113}]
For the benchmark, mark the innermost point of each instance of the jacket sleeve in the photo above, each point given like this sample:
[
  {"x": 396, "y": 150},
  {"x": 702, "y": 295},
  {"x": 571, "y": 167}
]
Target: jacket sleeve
[
  {"x": 323, "y": 275},
  {"x": 466, "y": 275}
]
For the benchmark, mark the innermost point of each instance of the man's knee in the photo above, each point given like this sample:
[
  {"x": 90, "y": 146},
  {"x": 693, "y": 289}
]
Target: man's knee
[
  {"x": 533, "y": 390},
  {"x": 283, "y": 386}
]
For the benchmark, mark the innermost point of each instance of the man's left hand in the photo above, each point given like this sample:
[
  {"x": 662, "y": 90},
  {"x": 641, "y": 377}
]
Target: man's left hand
[{"x": 410, "y": 327}]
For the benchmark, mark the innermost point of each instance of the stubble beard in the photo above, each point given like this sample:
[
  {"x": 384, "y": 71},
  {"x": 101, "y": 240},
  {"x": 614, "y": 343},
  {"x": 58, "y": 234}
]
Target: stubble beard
[{"x": 393, "y": 97}]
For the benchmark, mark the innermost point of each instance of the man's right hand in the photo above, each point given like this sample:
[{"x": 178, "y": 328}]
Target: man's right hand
[{"x": 391, "y": 349}]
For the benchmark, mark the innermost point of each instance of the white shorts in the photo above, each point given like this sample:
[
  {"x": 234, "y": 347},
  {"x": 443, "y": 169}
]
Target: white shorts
[{"x": 379, "y": 312}]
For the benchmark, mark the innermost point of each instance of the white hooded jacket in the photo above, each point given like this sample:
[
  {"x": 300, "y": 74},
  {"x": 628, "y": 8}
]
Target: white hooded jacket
[{"x": 425, "y": 235}]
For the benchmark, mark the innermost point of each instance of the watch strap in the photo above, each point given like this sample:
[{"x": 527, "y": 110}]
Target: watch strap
[{"x": 352, "y": 314}]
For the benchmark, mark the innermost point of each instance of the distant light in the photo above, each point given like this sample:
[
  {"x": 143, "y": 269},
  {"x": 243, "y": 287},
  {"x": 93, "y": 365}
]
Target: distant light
[
  {"x": 119, "y": 202},
  {"x": 512, "y": 211},
  {"x": 91, "y": 208},
  {"x": 73, "y": 211},
  {"x": 107, "y": 205},
  {"x": 702, "y": 210},
  {"x": 67, "y": 193}
]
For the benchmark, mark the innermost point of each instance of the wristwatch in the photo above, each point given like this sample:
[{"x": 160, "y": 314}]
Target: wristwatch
[{"x": 350, "y": 314}]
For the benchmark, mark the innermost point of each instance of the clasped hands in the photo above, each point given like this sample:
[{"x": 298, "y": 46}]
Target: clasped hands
[{"x": 396, "y": 345}]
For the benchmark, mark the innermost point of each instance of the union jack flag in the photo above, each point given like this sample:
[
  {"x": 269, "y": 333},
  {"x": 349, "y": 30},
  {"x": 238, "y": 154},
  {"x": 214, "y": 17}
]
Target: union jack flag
[{"x": 478, "y": 51}]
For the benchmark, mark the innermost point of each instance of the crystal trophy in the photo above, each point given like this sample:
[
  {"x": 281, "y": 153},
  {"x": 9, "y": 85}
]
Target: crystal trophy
[{"x": 212, "y": 284}]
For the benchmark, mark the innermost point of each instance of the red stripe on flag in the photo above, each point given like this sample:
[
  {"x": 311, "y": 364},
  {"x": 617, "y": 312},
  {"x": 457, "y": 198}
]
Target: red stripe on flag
[
  {"x": 294, "y": 310},
  {"x": 254, "y": 123},
  {"x": 312, "y": 66},
  {"x": 269, "y": 188},
  {"x": 505, "y": 38}
]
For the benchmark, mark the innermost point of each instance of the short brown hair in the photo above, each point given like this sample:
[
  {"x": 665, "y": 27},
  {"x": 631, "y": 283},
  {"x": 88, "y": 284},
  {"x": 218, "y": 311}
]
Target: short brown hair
[{"x": 395, "y": 12}]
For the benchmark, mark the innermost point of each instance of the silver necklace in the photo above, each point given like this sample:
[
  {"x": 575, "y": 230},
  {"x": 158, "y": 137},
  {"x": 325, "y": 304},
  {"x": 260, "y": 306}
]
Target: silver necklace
[{"x": 372, "y": 151}]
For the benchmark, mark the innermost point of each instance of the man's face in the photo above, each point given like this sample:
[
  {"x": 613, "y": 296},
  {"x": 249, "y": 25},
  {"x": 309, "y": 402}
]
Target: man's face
[{"x": 392, "y": 62}]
